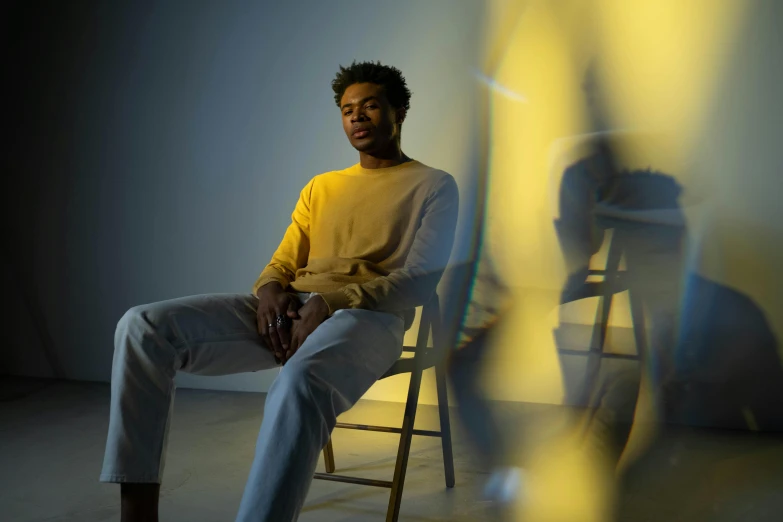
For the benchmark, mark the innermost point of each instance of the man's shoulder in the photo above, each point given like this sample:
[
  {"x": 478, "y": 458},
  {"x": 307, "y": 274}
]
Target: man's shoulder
[
  {"x": 432, "y": 172},
  {"x": 431, "y": 177},
  {"x": 323, "y": 178},
  {"x": 433, "y": 183},
  {"x": 330, "y": 174}
]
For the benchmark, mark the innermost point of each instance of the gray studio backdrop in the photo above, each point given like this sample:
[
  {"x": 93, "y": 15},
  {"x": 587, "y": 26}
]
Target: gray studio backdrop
[{"x": 171, "y": 142}]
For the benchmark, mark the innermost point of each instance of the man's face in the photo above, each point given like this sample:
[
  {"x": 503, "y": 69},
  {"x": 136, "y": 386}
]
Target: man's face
[{"x": 369, "y": 121}]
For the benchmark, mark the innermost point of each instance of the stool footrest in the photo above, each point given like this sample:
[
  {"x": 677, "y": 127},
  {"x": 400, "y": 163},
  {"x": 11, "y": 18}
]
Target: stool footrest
[
  {"x": 385, "y": 429},
  {"x": 353, "y": 480},
  {"x": 605, "y": 355}
]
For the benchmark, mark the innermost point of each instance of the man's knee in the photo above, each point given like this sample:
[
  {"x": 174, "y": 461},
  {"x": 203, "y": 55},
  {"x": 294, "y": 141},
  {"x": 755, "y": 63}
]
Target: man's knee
[
  {"x": 144, "y": 317},
  {"x": 133, "y": 316},
  {"x": 138, "y": 322},
  {"x": 299, "y": 389},
  {"x": 130, "y": 320},
  {"x": 303, "y": 381},
  {"x": 297, "y": 377}
]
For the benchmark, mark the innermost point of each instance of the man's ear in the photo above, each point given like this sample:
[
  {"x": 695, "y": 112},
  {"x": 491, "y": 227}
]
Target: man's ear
[{"x": 400, "y": 113}]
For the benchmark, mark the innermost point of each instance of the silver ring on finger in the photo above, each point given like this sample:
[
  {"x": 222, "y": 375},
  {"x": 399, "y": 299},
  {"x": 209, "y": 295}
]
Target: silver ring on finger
[{"x": 271, "y": 326}]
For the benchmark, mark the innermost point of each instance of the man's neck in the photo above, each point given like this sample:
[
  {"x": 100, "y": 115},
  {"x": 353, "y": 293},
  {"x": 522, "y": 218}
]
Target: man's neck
[{"x": 368, "y": 161}]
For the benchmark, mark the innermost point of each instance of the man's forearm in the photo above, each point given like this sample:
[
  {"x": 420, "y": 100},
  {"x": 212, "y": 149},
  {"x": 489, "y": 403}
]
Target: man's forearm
[
  {"x": 272, "y": 274},
  {"x": 396, "y": 292},
  {"x": 273, "y": 286}
]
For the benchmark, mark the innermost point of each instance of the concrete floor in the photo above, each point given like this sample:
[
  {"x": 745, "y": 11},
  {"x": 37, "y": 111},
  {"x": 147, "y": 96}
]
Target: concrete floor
[{"x": 52, "y": 436}]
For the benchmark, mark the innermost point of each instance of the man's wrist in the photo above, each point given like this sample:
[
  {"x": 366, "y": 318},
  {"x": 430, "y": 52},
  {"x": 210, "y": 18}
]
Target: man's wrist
[
  {"x": 272, "y": 286},
  {"x": 320, "y": 303},
  {"x": 336, "y": 300}
]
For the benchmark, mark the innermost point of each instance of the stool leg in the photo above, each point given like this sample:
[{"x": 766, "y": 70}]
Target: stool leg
[
  {"x": 596, "y": 350},
  {"x": 638, "y": 322},
  {"x": 329, "y": 457},
  {"x": 445, "y": 424},
  {"x": 395, "y": 499}
]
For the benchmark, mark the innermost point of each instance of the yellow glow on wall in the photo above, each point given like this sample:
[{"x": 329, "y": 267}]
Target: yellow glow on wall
[
  {"x": 661, "y": 60},
  {"x": 538, "y": 65}
]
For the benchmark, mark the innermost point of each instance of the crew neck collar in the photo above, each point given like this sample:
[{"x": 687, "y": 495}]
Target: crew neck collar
[{"x": 358, "y": 170}]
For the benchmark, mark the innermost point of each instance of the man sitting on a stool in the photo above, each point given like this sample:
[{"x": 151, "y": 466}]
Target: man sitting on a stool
[{"x": 365, "y": 247}]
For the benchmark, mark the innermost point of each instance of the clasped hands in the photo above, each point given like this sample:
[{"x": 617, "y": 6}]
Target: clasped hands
[{"x": 284, "y": 323}]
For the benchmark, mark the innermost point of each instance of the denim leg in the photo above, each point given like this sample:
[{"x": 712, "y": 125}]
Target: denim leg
[
  {"x": 331, "y": 371},
  {"x": 206, "y": 335}
]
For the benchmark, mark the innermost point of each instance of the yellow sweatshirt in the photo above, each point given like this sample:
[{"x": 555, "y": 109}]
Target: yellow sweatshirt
[{"x": 376, "y": 239}]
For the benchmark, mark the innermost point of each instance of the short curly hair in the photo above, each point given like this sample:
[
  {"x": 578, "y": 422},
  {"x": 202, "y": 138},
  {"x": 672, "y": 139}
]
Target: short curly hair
[{"x": 390, "y": 78}]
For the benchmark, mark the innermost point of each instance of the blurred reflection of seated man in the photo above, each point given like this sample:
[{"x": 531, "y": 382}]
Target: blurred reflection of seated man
[{"x": 641, "y": 207}]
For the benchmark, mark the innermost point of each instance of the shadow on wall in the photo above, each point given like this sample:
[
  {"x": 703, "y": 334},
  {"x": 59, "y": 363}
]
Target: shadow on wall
[{"x": 728, "y": 371}]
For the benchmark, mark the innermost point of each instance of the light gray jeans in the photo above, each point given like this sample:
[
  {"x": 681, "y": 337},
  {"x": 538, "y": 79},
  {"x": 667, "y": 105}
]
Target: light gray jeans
[{"x": 216, "y": 334}]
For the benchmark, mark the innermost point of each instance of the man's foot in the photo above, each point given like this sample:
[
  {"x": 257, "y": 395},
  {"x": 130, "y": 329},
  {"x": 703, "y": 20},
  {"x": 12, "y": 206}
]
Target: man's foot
[
  {"x": 504, "y": 485},
  {"x": 139, "y": 502}
]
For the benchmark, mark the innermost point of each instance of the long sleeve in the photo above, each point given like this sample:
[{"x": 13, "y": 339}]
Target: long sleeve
[
  {"x": 414, "y": 283},
  {"x": 294, "y": 249}
]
